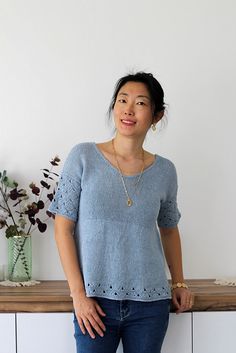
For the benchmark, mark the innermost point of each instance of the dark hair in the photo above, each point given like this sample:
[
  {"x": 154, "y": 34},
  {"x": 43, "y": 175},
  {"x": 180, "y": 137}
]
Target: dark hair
[{"x": 153, "y": 86}]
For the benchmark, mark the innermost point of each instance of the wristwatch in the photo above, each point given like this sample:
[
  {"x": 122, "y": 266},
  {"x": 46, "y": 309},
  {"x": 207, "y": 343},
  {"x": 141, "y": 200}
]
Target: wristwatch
[{"x": 179, "y": 285}]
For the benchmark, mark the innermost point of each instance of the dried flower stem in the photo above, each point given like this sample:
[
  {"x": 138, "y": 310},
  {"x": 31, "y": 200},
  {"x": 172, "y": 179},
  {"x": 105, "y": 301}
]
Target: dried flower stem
[
  {"x": 9, "y": 210},
  {"x": 20, "y": 252},
  {"x": 46, "y": 182}
]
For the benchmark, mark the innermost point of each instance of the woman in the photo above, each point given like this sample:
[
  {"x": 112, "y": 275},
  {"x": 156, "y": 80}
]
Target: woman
[{"x": 115, "y": 205}]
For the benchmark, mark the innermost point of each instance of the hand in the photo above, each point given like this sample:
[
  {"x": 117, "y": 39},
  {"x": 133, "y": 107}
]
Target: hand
[
  {"x": 87, "y": 311},
  {"x": 183, "y": 299}
]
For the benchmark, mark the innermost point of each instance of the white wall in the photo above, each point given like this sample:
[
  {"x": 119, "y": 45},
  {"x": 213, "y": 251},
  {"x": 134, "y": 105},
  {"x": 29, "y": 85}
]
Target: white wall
[{"x": 59, "y": 62}]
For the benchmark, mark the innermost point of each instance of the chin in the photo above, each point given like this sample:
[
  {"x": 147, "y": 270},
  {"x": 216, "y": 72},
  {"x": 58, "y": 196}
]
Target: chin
[{"x": 128, "y": 134}]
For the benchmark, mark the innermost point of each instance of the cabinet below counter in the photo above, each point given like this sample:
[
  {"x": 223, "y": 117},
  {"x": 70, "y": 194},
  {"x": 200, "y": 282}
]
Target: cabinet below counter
[{"x": 54, "y": 296}]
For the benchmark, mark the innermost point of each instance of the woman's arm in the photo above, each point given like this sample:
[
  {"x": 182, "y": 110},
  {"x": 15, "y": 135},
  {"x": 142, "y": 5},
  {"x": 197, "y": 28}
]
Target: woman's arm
[
  {"x": 172, "y": 248},
  {"x": 87, "y": 310},
  {"x": 64, "y": 236},
  {"x": 182, "y": 297}
]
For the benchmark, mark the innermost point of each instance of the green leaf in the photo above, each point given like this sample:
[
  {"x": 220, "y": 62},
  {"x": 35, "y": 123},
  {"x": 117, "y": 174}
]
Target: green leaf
[
  {"x": 9, "y": 183},
  {"x": 5, "y": 179},
  {"x": 11, "y": 231}
]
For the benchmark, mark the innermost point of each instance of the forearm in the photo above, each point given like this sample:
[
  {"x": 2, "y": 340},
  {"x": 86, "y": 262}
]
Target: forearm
[
  {"x": 173, "y": 253},
  {"x": 69, "y": 259}
]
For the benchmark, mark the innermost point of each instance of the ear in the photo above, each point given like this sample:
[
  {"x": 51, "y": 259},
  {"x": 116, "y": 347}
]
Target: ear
[{"x": 158, "y": 117}]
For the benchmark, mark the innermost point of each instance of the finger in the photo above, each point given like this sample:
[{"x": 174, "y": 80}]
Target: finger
[
  {"x": 184, "y": 303},
  {"x": 185, "y": 299},
  {"x": 88, "y": 327},
  {"x": 175, "y": 300},
  {"x": 81, "y": 325},
  {"x": 191, "y": 302},
  {"x": 100, "y": 311},
  {"x": 190, "y": 299},
  {"x": 95, "y": 326},
  {"x": 182, "y": 308},
  {"x": 178, "y": 310},
  {"x": 99, "y": 321},
  {"x": 188, "y": 304}
]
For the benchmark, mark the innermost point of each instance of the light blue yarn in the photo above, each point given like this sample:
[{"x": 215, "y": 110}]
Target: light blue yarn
[{"x": 119, "y": 247}]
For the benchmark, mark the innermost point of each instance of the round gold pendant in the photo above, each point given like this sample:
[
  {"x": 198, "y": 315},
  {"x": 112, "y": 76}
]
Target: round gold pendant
[{"x": 129, "y": 202}]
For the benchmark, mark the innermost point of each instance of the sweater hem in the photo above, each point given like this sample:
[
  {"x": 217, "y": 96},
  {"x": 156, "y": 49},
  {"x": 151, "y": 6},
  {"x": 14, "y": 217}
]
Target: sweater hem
[{"x": 90, "y": 295}]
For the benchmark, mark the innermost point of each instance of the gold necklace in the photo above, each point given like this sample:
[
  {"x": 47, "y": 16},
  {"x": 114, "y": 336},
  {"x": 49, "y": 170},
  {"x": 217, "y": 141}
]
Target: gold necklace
[{"x": 129, "y": 200}]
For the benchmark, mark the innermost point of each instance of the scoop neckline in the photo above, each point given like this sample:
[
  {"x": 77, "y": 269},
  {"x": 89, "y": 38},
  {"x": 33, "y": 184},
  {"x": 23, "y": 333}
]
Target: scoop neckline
[{"x": 116, "y": 169}]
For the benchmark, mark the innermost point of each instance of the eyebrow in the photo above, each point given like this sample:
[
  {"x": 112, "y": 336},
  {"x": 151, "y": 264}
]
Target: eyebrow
[{"x": 139, "y": 96}]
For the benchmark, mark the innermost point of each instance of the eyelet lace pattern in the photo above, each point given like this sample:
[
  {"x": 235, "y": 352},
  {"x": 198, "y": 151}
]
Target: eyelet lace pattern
[
  {"x": 169, "y": 214},
  {"x": 66, "y": 200},
  {"x": 113, "y": 291}
]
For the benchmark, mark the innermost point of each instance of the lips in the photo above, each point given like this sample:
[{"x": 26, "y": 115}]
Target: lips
[{"x": 128, "y": 121}]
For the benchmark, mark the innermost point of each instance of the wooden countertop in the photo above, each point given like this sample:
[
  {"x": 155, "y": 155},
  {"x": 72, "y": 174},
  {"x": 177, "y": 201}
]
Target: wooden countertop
[{"x": 53, "y": 296}]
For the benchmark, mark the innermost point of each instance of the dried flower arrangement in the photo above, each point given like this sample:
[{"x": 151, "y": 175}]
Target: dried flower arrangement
[{"x": 17, "y": 215}]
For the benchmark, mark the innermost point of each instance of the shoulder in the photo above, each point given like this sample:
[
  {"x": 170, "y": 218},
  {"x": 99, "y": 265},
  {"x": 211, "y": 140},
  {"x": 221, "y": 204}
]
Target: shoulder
[
  {"x": 77, "y": 157},
  {"x": 168, "y": 166},
  {"x": 82, "y": 147},
  {"x": 166, "y": 161},
  {"x": 80, "y": 151}
]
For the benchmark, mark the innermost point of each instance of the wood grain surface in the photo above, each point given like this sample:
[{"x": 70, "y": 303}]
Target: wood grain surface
[{"x": 54, "y": 296}]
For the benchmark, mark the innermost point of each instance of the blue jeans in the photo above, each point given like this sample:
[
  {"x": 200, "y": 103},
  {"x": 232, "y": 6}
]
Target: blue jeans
[{"x": 140, "y": 325}]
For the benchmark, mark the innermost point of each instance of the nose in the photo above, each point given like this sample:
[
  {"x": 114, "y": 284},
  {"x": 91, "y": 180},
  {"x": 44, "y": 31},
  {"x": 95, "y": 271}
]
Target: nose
[{"x": 129, "y": 110}]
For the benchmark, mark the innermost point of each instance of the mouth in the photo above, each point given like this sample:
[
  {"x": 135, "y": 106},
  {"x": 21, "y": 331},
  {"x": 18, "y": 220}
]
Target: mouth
[{"x": 128, "y": 122}]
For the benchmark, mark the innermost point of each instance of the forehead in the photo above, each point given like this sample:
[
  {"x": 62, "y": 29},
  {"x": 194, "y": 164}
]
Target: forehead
[{"x": 134, "y": 88}]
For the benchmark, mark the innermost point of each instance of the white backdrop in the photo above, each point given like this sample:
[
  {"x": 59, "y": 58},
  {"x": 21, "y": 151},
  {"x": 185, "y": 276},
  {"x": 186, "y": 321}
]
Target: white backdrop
[{"x": 59, "y": 62}]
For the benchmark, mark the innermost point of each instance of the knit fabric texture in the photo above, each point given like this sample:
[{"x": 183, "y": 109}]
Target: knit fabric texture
[{"x": 119, "y": 247}]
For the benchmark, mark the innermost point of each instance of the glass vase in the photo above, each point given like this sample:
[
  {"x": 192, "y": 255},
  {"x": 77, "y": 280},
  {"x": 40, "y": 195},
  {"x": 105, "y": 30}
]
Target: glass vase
[{"x": 19, "y": 258}]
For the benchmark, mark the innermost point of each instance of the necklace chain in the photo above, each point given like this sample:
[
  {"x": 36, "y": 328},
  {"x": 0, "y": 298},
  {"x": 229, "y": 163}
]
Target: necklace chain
[{"x": 129, "y": 200}]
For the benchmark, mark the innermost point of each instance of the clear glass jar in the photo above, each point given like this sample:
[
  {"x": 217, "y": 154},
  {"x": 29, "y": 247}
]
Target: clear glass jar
[{"x": 19, "y": 258}]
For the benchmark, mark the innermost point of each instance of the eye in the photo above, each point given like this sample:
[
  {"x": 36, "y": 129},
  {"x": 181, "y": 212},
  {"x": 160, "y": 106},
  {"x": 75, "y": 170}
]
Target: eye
[
  {"x": 121, "y": 100},
  {"x": 140, "y": 103}
]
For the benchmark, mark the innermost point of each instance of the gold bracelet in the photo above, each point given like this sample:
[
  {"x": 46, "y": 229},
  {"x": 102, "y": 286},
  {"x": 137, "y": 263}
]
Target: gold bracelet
[{"x": 179, "y": 285}]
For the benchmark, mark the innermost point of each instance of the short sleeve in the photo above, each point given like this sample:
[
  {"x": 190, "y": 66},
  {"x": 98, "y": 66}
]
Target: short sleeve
[
  {"x": 169, "y": 214},
  {"x": 66, "y": 199},
  {"x": 67, "y": 196}
]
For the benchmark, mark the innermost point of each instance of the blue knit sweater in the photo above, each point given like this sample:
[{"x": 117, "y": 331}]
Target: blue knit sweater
[{"x": 119, "y": 247}]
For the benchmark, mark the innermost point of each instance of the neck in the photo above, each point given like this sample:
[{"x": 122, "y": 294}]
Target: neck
[{"x": 128, "y": 147}]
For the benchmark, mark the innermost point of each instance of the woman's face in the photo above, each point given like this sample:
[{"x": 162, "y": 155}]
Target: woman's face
[{"x": 132, "y": 110}]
